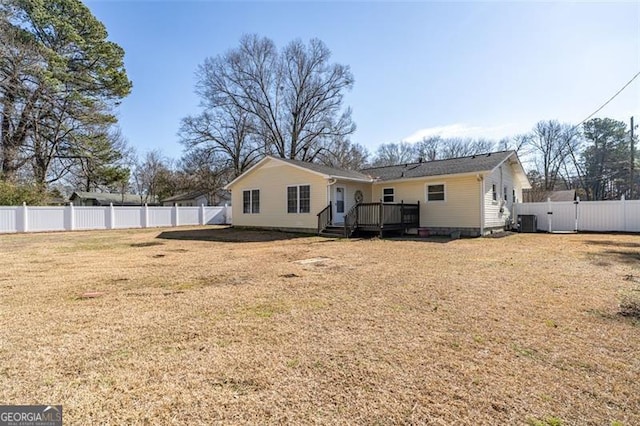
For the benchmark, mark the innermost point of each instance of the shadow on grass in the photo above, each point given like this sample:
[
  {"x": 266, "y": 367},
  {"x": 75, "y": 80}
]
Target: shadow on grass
[
  {"x": 623, "y": 256},
  {"x": 229, "y": 235},
  {"x": 612, "y": 243},
  {"x": 608, "y": 257},
  {"x": 432, "y": 239}
]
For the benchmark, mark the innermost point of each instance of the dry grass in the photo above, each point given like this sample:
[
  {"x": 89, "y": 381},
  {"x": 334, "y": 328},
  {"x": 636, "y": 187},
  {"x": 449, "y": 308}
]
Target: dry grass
[{"x": 205, "y": 326}]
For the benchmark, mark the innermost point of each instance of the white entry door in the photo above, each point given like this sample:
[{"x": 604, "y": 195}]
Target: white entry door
[{"x": 338, "y": 204}]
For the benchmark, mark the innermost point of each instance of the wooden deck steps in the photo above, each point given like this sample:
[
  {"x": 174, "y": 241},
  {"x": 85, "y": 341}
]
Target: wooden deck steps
[{"x": 333, "y": 231}]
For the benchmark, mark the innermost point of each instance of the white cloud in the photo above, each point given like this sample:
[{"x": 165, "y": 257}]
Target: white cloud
[{"x": 463, "y": 130}]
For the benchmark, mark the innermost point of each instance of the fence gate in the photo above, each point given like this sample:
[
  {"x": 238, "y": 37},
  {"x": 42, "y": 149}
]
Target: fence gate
[{"x": 597, "y": 216}]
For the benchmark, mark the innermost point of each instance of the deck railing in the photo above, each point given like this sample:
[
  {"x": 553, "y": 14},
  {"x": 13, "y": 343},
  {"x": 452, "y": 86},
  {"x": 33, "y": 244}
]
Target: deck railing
[
  {"x": 325, "y": 217},
  {"x": 381, "y": 216}
]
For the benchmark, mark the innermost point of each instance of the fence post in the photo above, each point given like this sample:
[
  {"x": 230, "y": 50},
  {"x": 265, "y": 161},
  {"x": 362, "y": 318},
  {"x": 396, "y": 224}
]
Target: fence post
[
  {"x": 24, "y": 214},
  {"x": 202, "y": 215},
  {"x": 381, "y": 218},
  {"x": 228, "y": 214},
  {"x": 145, "y": 216},
  {"x": 70, "y": 217},
  {"x": 112, "y": 217},
  {"x": 549, "y": 213},
  {"x": 175, "y": 220},
  {"x": 577, "y": 204},
  {"x": 623, "y": 202}
]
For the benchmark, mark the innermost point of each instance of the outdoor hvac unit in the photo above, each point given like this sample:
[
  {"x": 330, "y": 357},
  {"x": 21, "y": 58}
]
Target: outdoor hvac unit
[{"x": 528, "y": 223}]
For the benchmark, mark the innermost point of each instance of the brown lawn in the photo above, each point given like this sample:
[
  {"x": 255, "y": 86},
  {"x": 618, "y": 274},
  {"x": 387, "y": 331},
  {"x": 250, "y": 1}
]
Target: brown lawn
[{"x": 212, "y": 325}]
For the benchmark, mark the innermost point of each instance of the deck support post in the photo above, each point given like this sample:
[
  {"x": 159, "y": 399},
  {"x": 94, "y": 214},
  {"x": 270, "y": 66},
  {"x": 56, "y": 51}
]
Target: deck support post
[
  {"x": 381, "y": 218},
  {"x": 402, "y": 217}
]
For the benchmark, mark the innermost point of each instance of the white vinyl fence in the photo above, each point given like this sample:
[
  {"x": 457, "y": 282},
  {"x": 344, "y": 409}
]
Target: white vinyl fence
[
  {"x": 597, "y": 216},
  {"x": 69, "y": 218}
]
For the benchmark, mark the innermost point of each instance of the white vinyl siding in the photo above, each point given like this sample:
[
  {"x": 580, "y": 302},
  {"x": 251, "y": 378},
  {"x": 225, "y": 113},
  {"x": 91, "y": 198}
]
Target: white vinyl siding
[
  {"x": 273, "y": 178},
  {"x": 350, "y": 193},
  {"x": 462, "y": 206},
  {"x": 496, "y": 214}
]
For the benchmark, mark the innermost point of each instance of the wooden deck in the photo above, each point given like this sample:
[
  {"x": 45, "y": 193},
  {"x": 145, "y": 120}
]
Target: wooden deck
[{"x": 374, "y": 217}]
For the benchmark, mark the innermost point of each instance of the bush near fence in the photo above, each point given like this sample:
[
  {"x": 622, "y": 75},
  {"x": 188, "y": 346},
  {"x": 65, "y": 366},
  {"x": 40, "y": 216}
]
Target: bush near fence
[{"x": 69, "y": 218}]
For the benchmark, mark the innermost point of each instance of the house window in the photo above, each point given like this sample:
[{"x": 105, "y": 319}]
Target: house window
[
  {"x": 494, "y": 191},
  {"x": 504, "y": 193},
  {"x": 513, "y": 195},
  {"x": 299, "y": 199},
  {"x": 251, "y": 201},
  {"x": 305, "y": 198},
  {"x": 435, "y": 192},
  {"x": 388, "y": 195}
]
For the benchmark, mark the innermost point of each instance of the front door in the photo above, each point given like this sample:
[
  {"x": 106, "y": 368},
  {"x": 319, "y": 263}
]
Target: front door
[{"x": 338, "y": 205}]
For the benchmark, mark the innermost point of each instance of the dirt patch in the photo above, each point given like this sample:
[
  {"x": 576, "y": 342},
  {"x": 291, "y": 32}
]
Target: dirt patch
[{"x": 312, "y": 261}]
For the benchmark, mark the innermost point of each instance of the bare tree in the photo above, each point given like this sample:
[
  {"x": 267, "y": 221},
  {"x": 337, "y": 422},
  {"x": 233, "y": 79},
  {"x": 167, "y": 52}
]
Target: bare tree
[
  {"x": 550, "y": 142},
  {"x": 225, "y": 130},
  {"x": 429, "y": 148},
  {"x": 344, "y": 155},
  {"x": 463, "y": 147},
  {"x": 150, "y": 177},
  {"x": 390, "y": 154},
  {"x": 291, "y": 99},
  {"x": 207, "y": 171}
]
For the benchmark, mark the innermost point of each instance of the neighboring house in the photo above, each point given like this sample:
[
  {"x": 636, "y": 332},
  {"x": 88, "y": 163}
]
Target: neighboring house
[
  {"x": 106, "y": 198},
  {"x": 565, "y": 195},
  {"x": 541, "y": 196},
  {"x": 473, "y": 195},
  {"x": 188, "y": 199},
  {"x": 198, "y": 198}
]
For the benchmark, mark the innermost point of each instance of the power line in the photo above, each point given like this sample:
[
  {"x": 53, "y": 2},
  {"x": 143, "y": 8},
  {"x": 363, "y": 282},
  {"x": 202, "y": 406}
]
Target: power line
[{"x": 610, "y": 99}]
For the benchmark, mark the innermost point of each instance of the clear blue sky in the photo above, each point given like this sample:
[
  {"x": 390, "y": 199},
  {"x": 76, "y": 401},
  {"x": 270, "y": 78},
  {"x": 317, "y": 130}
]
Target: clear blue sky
[{"x": 489, "y": 69}]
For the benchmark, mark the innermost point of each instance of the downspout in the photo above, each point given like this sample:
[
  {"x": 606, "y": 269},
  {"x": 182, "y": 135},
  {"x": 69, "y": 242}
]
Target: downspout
[{"x": 481, "y": 180}]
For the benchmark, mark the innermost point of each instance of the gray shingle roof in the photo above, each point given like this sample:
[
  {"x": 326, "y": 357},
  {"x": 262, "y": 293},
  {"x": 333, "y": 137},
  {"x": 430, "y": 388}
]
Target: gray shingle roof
[
  {"x": 326, "y": 170},
  {"x": 184, "y": 196},
  {"x": 105, "y": 198},
  {"x": 565, "y": 195},
  {"x": 471, "y": 164}
]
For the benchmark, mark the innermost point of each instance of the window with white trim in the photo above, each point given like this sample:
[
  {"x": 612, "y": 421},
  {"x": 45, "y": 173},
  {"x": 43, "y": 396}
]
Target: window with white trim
[
  {"x": 504, "y": 193},
  {"x": 251, "y": 201},
  {"x": 435, "y": 192},
  {"x": 513, "y": 195},
  {"x": 494, "y": 192},
  {"x": 299, "y": 199},
  {"x": 388, "y": 195}
]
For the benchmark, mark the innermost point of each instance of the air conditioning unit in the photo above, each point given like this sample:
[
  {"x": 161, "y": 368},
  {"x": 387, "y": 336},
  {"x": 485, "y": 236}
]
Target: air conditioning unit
[{"x": 527, "y": 223}]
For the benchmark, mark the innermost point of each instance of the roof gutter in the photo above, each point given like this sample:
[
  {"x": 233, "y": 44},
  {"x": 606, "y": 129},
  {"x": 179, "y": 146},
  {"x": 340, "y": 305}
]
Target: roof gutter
[
  {"x": 431, "y": 177},
  {"x": 351, "y": 179}
]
